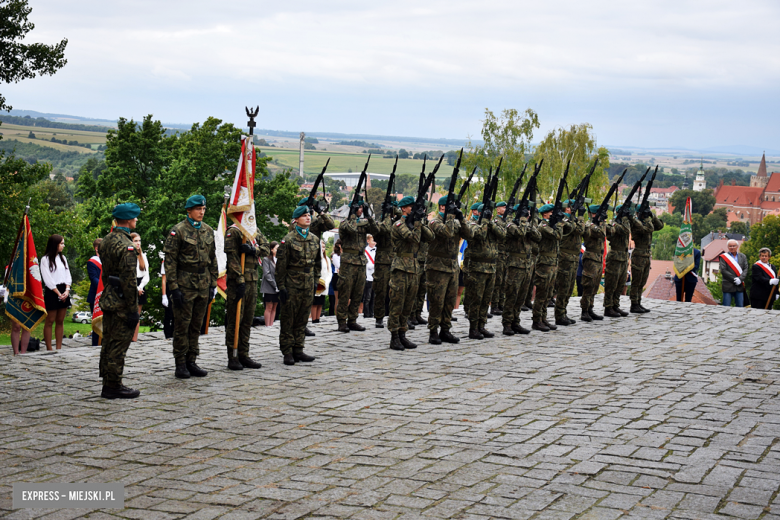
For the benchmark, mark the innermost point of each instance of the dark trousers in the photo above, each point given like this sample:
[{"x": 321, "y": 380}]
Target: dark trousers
[
  {"x": 368, "y": 299},
  {"x": 168, "y": 321},
  {"x": 579, "y": 285},
  {"x": 689, "y": 289}
]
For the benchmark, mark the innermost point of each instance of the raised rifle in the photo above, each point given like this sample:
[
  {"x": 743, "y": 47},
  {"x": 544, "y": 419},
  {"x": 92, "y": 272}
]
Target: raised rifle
[
  {"x": 644, "y": 208},
  {"x": 510, "y": 204},
  {"x": 601, "y": 214},
  {"x": 355, "y": 204},
  {"x": 313, "y": 193},
  {"x": 579, "y": 193},
  {"x": 625, "y": 209},
  {"x": 451, "y": 191},
  {"x": 464, "y": 188},
  {"x": 489, "y": 199},
  {"x": 530, "y": 189},
  {"x": 387, "y": 206},
  {"x": 557, "y": 213},
  {"x": 420, "y": 203}
]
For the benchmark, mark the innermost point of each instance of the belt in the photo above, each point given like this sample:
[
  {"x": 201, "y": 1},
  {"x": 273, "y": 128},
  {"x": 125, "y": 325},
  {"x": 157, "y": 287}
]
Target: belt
[
  {"x": 442, "y": 255},
  {"x": 519, "y": 255},
  {"x": 482, "y": 259},
  {"x": 570, "y": 251},
  {"x": 299, "y": 269},
  {"x": 191, "y": 269},
  {"x": 406, "y": 255},
  {"x": 548, "y": 254},
  {"x": 352, "y": 251}
]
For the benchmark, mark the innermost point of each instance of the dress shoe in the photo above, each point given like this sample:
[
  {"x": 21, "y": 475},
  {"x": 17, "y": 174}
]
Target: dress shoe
[
  {"x": 447, "y": 337},
  {"x": 496, "y": 311},
  {"x": 508, "y": 331},
  {"x": 621, "y": 311},
  {"x": 117, "y": 391},
  {"x": 315, "y": 321},
  {"x": 585, "y": 316},
  {"x": 550, "y": 325},
  {"x": 303, "y": 356},
  {"x": 525, "y": 308},
  {"x": 234, "y": 364},
  {"x": 486, "y": 333},
  {"x": 489, "y": 316},
  {"x": 612, "y": 313},
  {"x": 420, "y": 320},
  {"x": 538, "y": 325},
  {"x": 380, "y": 323},
  {"x": 248, "y": 362},
  {"x": 195, "y": 370},
  {"x": 289, "y": 359},
  {"x": 571, "y": 321},
  {"x": 595, "y": 316},
  {"x": 405, "y": 342},
  {"x": 433, "y": 338},
  {"x": 308, "y": 333},
  {"x": 636, "y": 309},
  {"x": 395, "y": 342},
  {"x": 181, "y": 371},
  {"x": 520, "y": 329},
  {"x": 409, "y": 325},
  {"x": 343, "y": 327},
  {"x": 562, "y": 321},
  {"x": 474, "y": 334},
  {"x": 356, "y": 326}
]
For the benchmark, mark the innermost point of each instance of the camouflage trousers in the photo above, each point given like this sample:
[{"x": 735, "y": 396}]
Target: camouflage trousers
[
  {"x": 564, "y": 281},
  {"x": 187, "y": 322},
  {"x": 116, "y": 340},
  {"x": 517, "y": 278},
  {"x": 544, "y": 280},
  {"x": 479, "y": 288},
  {"x": 528, "y": 299},
  {"x": 499, "y": 288},
  {"x": 352, "y": 281},
  {"x": 294, "y": 317},
  {"x": 614, "y": 281},
  {"x": 403, "y": 291},
  {"x": 381, "y": 290},
  {"x": 419, "y": 300},
  {"x": 248, "y": 303},
  {"x": 442, "y": 292},
  {"x": 640, "y": 271},
  {"x": 591, "y": 280}
]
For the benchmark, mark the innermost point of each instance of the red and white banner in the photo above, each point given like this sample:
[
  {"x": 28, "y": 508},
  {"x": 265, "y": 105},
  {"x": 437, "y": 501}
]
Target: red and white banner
[
  {"x": 219, "y": 242},
  {"x": 241, "y": 208},
  {"x": 732, "y": 263}
]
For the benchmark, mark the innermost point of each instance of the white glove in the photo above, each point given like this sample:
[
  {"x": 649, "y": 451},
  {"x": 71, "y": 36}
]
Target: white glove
[
  {"x": 774, "y": 281},
  {"x": 2, "y": 291},
  {"x": 737, "y": 281},
  {"x": 212, "y": 293},
  {"x": 165, "y": 300}
]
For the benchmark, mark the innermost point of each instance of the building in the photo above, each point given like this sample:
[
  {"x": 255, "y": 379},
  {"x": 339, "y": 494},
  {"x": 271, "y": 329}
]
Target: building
[
  {"x": 699, "y": 184},
  {"x": 715, "y": 235},
  {"x": 710, "y": 256},
  {"x": 659, "y": 199},
  {"x": 750, "y": 204},
  {"x": 661, "y": 285},
  {"x": 351, "y": 178}
]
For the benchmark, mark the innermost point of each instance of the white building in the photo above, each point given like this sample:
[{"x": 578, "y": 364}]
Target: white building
[{"x": 699, "y": 184}]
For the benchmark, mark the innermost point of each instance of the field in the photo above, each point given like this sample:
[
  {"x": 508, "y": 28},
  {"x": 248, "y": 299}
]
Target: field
[{"x": 44, "y": 135}]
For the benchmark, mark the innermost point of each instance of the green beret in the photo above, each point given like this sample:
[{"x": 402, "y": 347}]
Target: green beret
[
  {"x": 406, "y": 201},
  {"x": 566, "y": 203},
  {"x": 395, "y": 203},
  {"x": 442, "y": 201},
  {"x": 303, "y": 201},
  {"x": 501, "y": 204},
  {"x": 195, "y": 201},
  {"x": 617, "y": 208},
  {"x": 546, "y": 208},
  {"x": 475, "y": 206},
  {"x": 481, "y": 207},
  {"x": 126, "y": 211},
  {"x": 300, "y": 211},
  {"x": 516, "y": 208},
  {"x": 594, "y": 208}
]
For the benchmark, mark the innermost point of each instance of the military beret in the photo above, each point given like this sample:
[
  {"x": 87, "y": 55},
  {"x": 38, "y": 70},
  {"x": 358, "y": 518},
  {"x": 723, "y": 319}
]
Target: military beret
[
  {"x": 195, "y": 201},
  {"x": 476, "y": 206},
  {"x": 516, "y": 208},
  {"x": 395, "y": 203},
  {"x": 546, "y": 208},
  {"x": 617, "y": 208},
  {"x": 501, "y": 204},
  {"x": 406, "y": 201},
  {"x": 566, "y": 203},
  {"x": 442, "y": 201},
  {"x": 126, "y": 211},
  {"x": 481, "y": 207},
  {"x": 300, "y": 211},
  {"x": 303, "y": 201},
  {"x": 593, "y": 208}
]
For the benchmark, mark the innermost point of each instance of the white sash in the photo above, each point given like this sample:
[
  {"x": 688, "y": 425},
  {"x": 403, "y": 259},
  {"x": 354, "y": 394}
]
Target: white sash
[
  {"x": 734, "y": 265},
  {"x": 767, "y": 268}
]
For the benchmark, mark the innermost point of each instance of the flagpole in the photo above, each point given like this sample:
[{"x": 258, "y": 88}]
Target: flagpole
[
  {"x": 7, "y": 273},
  {"x": 769, "y": 301}
]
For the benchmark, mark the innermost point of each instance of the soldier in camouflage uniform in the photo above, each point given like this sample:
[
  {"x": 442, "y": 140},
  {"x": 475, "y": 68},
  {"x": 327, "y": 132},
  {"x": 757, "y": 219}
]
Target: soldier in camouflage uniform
[
  {"x": 482, "y": 268},
  {"x": 528, "y": 301},
  {"x": 519, "y": 237},
  {"x": 383, "y": 261},
  {"x": 568, "y": 260},
  {"x": 419, "y": 300},
  {"x": 642, "y": 233},
  {"x": 594, "y": 236},
  {"x": 618, "y": 234},
  {"x": 499, "y": 296},
  {"x": 442, "y": 270},
  {"x": 119, "y": 301},
  {"x": 546, "y": 267},
  {"x": 403, "y": 274},
  {"x": 298, "y": 266},
  {"x": 352, "y": 274},
  {"x": 242, "y": 285},
  {"x": 191, "y": 271}
]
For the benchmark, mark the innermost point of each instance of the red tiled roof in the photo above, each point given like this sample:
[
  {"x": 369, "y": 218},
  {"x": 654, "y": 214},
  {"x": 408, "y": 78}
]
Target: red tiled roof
[
  {"x": 774, "y": 182},
  {"x": 662, "y": 288},
  {"x": 741, "y": 195},
  {"x": 732, "y": 217},
  {"x": 770, "y": 205},
  {"x": 670, "y": 189}
]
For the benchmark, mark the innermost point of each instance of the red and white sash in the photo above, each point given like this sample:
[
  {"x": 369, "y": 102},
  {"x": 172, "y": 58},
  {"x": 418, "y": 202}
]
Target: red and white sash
[
  {"x": 732, "y": 263},
  {"x": 369, "y": 256},
  {"x": 767, "y": 269}
]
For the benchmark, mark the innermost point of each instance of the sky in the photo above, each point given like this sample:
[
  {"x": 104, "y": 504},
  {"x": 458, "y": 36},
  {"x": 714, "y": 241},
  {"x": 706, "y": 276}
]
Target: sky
[{"x": 681, "y": 73}]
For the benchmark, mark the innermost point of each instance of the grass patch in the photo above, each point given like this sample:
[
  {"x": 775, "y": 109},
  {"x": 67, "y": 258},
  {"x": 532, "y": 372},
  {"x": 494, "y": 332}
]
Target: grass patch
[{"x": 70, "y": 328}]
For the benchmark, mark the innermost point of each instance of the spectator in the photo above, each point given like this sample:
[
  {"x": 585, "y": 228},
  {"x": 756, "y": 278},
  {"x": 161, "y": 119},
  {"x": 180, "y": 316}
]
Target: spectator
[
  {"x": 734, "y": 269},
  {"x": 142, "y": 277},
  {"x": 335, "y": 260},
  {"x": 764, "y": 289},
  {"x": 691, "y": 279},
  {"x": 168, "y": 317},
  {"x": 322, "y": 286},
  {"x": 16, "y": 330},
  {"x": 367, "y": 307},
  {"x": 268, "y": 286},
  {"x": 56, "y": 279},
  {"x": 77, "y": 335},
  {"x": 94, "y": 269}
]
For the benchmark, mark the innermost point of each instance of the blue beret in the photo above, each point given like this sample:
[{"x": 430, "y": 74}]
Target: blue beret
[
  {"x": 126, "y": 211},
  {"x": 442, "y": 201},
  {"x": 475, "y": 206},
  {"x": 300, "y": 211},
  {"x": 593, "y": 208},
  {"x": 546, "y": 208},
  {"x": 501, "y": 204},
  {"x": 406, "y": 201},
  {"x": 195, "y": 201}
]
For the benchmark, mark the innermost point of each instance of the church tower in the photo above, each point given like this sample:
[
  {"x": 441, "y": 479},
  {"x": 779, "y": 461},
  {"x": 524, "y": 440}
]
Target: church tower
[
  {"x": 760, "y": 180},
  {"x": 700, "y": 184}
]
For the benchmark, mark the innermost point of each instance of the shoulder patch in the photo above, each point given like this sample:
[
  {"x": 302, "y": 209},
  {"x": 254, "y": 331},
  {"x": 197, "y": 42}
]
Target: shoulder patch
[
  {"x": 399, "y": 223},
  {"x": 130, "y": 248},
  {"x": 173, "y": 233},
  {"x": 228, "y": 234},
  {"x": 282, "y": 241}
]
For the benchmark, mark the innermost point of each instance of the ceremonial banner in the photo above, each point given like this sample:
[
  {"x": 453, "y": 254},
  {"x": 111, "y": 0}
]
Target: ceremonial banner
[
  {"x": 219, "y": 242},
  {"x": 683, "y": 252},
  {"x": 241, "y": 207},
  {"x": 97, "y": 312},
  {"x": 25, "y": 292}
]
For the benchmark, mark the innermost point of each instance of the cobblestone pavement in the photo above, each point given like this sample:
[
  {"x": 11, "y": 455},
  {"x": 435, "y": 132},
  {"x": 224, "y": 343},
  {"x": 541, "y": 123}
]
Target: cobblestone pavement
[{"x": 672, "y": 414}]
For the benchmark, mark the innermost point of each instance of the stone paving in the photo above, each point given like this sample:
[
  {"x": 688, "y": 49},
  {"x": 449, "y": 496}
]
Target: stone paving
[{"x": 672, "y": 414}]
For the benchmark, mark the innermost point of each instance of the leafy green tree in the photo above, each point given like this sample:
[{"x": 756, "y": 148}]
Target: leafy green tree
[
  {"x": 765, "y": 234},
  {"x": 702, "y": 202},
  {"x": 664, "y": 243},
  {"x": 671, "y": 219},
  {"x": 743, "y": 228}
]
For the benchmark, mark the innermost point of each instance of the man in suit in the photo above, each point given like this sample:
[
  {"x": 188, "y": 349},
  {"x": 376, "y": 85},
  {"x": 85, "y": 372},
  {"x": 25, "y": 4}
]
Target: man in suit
[{"x": 734, "y": 269}]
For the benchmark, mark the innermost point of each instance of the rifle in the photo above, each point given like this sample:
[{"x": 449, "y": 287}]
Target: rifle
[
  {"x": 578, "y": 195},
  {"x": 510, "y": 204},
  {"x": 557, "y": 213},
  {"x": 522, "y": 210},
  {"x": 355, "y": 205},
  {"x": 451, "y": 190},
  {"x": 420, "y": 203},
  {"x": 490, "y": 192},
  {"x": 387, "y": 207},
  {"x": 601, "y": 214},
  {"x": 644, "y": 208},
  {"x": 464, "y": 188},
  {"x": 313, "y": 193},
  {"x": 626, "y": 207}
]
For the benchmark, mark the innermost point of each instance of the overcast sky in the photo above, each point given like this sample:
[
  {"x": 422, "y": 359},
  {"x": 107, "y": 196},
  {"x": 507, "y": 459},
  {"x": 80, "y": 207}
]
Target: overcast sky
[{"x": 652, "y": 74}]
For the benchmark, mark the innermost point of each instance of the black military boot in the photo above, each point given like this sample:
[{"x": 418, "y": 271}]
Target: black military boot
[
  {"x": 539, "y": 325},
  {"x": 595, "y": 316},
  {"x": 489, "y": 315},
  {"x": 486, "y": 333},
  {"x": 405, "y": 342},
  {"x": 644, "y": 309},
  {"x": 308, "y": 332},
  {"x": 289, "y": 359},
  {"x": 413, "y": 320},
  {"x": 300, "y": 355},
  {"x": 118, "y": 391},
  {"x": 585, "y": 316},
  {"x": 621, "y": 311},
  {"x": 520, "y": 329},
  {"x": 195, "y": 370},
  {"x": 355, "y": 326},
  {"x": 636, "y": 309},
  {"x": 562, "y": 321},
  {"x": 433, "y": 337},
  {"x": 420, "y": 320},
  {"x": 496, "y": 311},
  {"x": 181, "y": 371},
  {"x": 248, "y": 362},
  {"x": 611, "y": 313},
  {"x": 525, "y": 308},
  {"x": 571, "y": 321},
  {"x": 234, "y": 363},
  {"x": 474, "y": 334},
  {"x": 395, "y": 342},
  {"x": 380, "y": 323},
  {"x": 549, "y": 325},
  {"x": 342, "y": 328},
  {"x": 447, "y": 337},
  {"x": 409, "y": 325},
  {"x": 508, "y": 331}
]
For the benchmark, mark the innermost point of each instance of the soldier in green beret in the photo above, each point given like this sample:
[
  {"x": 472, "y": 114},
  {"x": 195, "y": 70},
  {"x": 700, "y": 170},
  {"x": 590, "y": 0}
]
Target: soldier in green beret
[
  {"x": 320, "y": 223},
  {"x": 119, "y": 301},
  {"x": 618, "y": 234},
  {"x": 642, "y": 229},
  {"x": 594, "y": 236},
  {"x": 298, "y": 266},
  {"x": 546, "y": 266},
  {"x": 568, "y": 260},
  {"x": 191, "y": 271},
  {"x": 498, "y": 298},
  {"x": 519, "y": 237},
  {"x": 382, "y": 263}
]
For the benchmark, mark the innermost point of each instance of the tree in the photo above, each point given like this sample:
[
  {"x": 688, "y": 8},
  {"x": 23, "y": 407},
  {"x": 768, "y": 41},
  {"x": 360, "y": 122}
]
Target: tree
[
  {"x": 743, "y": 228},
  {"x": 20, "y": 61},
  {"x": 403, "y": 154},
  {"x": 664, "y": 243},
  {"x": 765, "y": 234},
  {"x": 702, "y": 202}
]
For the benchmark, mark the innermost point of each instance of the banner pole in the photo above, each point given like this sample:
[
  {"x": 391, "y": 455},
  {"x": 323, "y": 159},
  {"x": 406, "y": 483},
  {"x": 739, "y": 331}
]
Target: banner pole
[
  {"x": 769, "y": 301},
  {"x": 7, "y": 273}
]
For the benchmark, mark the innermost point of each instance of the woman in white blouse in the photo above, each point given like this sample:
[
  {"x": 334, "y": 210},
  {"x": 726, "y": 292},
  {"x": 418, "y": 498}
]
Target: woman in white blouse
[
  {"x": 56, "y": 279},
  {"x": 142, "y": 277}
]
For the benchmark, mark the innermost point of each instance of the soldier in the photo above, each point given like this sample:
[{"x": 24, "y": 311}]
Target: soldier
[
  {"x": 352, "y": 274},
  {"x": 191, "y": 271},
  {"x": 568, "y": 260},
  {"x": 482, "y": 267},
  {"x": 403, "y": 274},
  {"x": 546, "y": 267},
  {"x": 441, "y": 274},
  {"x": 519, "y": 238},
  {"x": 298, "y": 266},
  {"x": 320, "y": 223},
  {"x": 642, "y": 233},
  {"x": 383, "y": 261},
  {"x": 242, "y": 285},
  {"x": 498, "y": 297},
  {"x": 618, "y": 234},
  {"x": 594, "y": 236},
  {"x": 119, "y": 301},
  {"x": 529, "y": 293},
  {"x": 419, "y": 300}
]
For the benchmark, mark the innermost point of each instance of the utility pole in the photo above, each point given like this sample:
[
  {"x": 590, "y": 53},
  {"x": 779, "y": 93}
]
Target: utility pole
[{"x": 303, "y": 136}]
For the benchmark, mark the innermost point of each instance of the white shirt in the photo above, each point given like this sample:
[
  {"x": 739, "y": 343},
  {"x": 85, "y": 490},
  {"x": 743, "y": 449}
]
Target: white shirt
[
  {"x": 370, "y": 259},
  {"x": 144, "y": 275},
  {"x": 61, "y": 274},
  {"x": 336, "y": 259}
]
